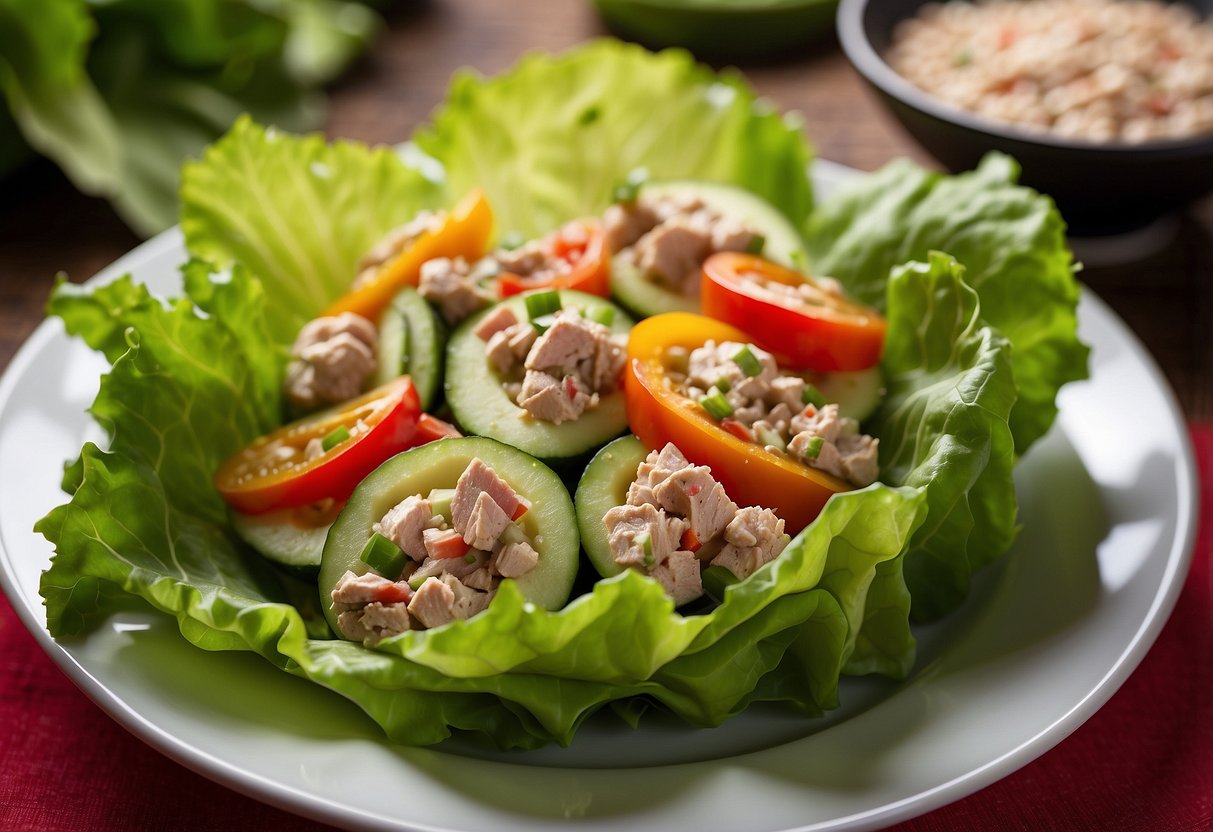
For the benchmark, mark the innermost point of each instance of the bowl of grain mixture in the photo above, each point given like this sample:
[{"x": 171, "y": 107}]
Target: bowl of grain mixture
[{"x": 1107, "y": 104}]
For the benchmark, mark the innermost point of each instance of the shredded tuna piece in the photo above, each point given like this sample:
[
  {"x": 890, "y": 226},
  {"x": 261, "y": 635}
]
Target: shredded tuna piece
[
  {"x": 627, "y": 527},
  {"x": 507, "y": 349},
  {"x": 477, "y": 478},
  {"x": 842, "y": 451},
  {"x": 500, "y": 319},
  {"x": 516, "y": 559},
  {"x": 466, "y": 601},
  {"x": 351, "y": 626},
  {"x": 550, "y": 399},
  {"x": 357, "y": 590},
  {"x": 625, "y": 222},
  {"x": 452, "y": 285},
  {"x": 679, "y": 576},
  {"x": 672, "y": 253},
  {"x": 656, "y": 469},
  {"x": 433, "y": 605},
  {"x": 404, "y": 523},
  {"x": 481, "y": 578},
  {"x": 485, "y": 524},
  {"x": 715, "y": 365},
  {"x": 753, "y": 538},
  {"x": 331, "y": 360},
  {"x": 443, "y": 544},
  {"x": 459, "y": 567},
  {"x": 384, "y": 620},
  {"x": 694, "y": 493}
]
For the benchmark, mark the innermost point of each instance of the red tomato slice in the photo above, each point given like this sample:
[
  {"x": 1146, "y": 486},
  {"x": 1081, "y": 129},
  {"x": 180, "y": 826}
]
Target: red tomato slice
[
  {"x": 581, "y": 245},
  {"x": 813, "y": 329},
  {"x": 274, "y": 472}
]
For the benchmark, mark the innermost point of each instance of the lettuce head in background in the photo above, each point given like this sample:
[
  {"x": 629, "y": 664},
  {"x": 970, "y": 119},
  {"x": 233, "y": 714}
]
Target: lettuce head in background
[
  {"x": 143, "y": 518},
  {"x": 118, "y": 93}
]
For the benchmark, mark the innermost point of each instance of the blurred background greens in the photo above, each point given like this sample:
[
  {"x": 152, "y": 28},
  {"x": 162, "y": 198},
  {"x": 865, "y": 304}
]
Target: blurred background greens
[{"x": 118, "y": 92}]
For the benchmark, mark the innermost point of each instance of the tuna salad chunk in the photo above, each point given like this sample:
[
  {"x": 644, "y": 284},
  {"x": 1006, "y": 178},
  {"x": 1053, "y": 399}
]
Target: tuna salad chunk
[
  {"x": 460, "y": 543},
  {"x": 559, "y": 375},
  {"x": 678, "y": 519},
  {"x": 741, "y": 385},
  {"x": 668, "y": 237},
  {"x": 454, "y": 286},
  {"x": 331, "y": 360}
]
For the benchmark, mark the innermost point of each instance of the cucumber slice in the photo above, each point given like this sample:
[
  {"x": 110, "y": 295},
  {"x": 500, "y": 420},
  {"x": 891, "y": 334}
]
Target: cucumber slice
[
  {"x": 550, "y": 523},
  {"x": 412, "y": 341},
  {"x": 783, "y": 245},
  {"x": 280, "y": 537},
  {"x": 603, "y": 486},
  {"x": 480, "y": 404},
  {"x": 857, "y": 394}
]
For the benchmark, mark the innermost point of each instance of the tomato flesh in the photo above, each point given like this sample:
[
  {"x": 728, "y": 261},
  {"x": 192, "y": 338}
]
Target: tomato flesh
[
  {"x": 274, "y": 472},
  {"x": 818, "y": 330},
  {"x": 657, "y": 414},
  {"x": 581, "y": 245}
]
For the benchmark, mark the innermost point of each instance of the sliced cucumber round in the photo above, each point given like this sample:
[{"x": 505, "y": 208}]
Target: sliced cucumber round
[
  {"x": 550, "y": 523},
  {"x": 279, "y": 536},
  {"x": 412, "y": 341},
  {"x": 783, "y": 244},
  {"x": 481, "y": 406},
  {"x": 603, "y": 486},
  {"x": 857, "y": 394}
]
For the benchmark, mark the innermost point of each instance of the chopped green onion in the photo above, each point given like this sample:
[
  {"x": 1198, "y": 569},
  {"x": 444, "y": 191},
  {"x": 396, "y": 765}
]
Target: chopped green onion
[
  {"x": 768, "y": 436},
  {"x": 722, "y": 384},
  {"x": 589, "y": 115},
  {"x": 629, "y": 189},
  {"x": 383, "y": 556},
  {"x": 543, "y": 323},
  {"x": 717, "y": 405},
  {"x": 813, "y": 449},
  {"x": 416, "y": 581},
  {"x": 470, "y": 557},
  {"x": 646, "y": 542},
  {"x": 748, "y": 362},
  {"x": 604, "y": 315},
  {"x": 756, "y": 244},
  {"x": 539, "y": 304},
  {"x": 511, "y": 240},
  {"x": 800, "y": 262},
  {"x": 440, "y": 502},
  {"x": 813, "y": 396},
  {"x": 335, "y": 437}
]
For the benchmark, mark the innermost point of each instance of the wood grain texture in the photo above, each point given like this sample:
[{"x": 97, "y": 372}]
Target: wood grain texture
[{"x": 46, "y": 227}]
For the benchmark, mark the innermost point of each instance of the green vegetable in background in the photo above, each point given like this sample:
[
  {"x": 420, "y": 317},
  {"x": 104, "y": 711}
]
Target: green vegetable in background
[
  {"x": 835, "y": 599},
  {"x": 119, "y": 92}
]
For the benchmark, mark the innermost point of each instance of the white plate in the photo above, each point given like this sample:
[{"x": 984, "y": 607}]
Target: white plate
[{"x": 1048, "y": 635}]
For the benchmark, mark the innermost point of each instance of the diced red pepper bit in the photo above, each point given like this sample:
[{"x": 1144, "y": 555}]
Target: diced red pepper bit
[
  {"x": 809, "y": 411},
  {"x": 570, "y": 387},
  {"x": 1168, "y": 51},
  {"x": 1007, "y": 36},
  {"x": 444, "y": 545},
  {"x": 1160, "y": 104},
  {"x": 694, "y": 489},
  {"x": 737, "y": 429},
  {"x": 690, "y": 541},
  {"x": 524, "y": 505},
  {"x": 397, "y": 593}
]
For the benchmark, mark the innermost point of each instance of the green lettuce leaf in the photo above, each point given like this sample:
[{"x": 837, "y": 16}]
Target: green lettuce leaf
[
  {"x": 944, "y": 427},
  {"x": 297, "y": 211},
  {"x": 549, "y": 140},
  {"x": 1011, "y": 241},
  {"x": 119, "y": 93}
]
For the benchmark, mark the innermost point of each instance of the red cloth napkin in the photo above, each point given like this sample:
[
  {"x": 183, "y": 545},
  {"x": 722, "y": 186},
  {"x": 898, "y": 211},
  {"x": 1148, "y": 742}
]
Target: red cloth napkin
[{"x": 1143, "y": 762}]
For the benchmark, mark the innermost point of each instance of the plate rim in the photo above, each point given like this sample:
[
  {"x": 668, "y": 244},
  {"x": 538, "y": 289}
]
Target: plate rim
[{"x": 290, "y": 799}]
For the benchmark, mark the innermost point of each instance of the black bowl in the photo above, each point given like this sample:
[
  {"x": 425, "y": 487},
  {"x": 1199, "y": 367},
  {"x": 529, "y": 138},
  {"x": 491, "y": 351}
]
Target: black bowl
[{"x": 1100, "y": 187}]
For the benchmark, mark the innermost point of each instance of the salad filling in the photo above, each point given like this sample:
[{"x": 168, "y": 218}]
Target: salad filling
[
  {"x": 678, "y": 519},
  {"x": 667, "y": 237},
  {"x": 437, "y": 558},
  {"x": 741, "y": 386},
  {"x": 560, "y": 374},
  {"x": 332, "y": 359}
]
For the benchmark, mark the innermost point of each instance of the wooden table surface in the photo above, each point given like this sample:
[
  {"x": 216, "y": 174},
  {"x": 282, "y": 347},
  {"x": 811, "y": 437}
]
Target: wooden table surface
[{"x": 46, "y": 227}]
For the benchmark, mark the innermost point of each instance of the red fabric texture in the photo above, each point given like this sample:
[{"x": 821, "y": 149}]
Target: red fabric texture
[{"x": 1143, "y": 762}]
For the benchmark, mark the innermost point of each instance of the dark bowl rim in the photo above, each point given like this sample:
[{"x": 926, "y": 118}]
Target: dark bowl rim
[{"x": 853, "y": 37}]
